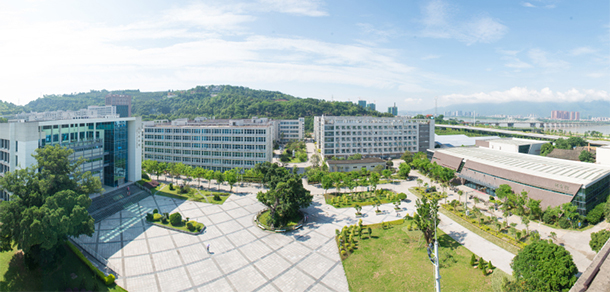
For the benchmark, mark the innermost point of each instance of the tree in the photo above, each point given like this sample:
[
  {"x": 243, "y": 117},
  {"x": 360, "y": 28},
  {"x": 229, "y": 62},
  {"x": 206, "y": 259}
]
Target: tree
[
  {"x": 231, "y": 177},
  {"x": 426, "y": 217},
  {"x": 544, "y": 266},
  {"x": 546, "y": 149},
  {"x": 403, "y": 170},
  {"x": 47, "y": 205},
  {"x": 285, "y": 200},
  {"x": 175, "y": 219},
  {"x": 597, "y": 214},
  {"x": 315, "y": 160},
  {"x": 199, "y": 173},
  {"x": 374, "y": 180},
  {"x": 386, "y": 173},
  {"x": 419, "y": 182},
  {"x": 407, "y": 157},
  {"x": 598, "y": 239},
  {"x": 209, "y": 175},
  {"x": 220, "y": 178},
  {"x": 586, "y": 156},
  {"x": 327, "y": 183}
]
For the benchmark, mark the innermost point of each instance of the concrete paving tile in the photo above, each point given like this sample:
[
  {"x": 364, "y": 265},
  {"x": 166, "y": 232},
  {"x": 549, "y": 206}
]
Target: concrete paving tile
[
  {"x": 219, "y": 285},
  {"x": 319, "y": 288},
  {"x": 116, "y": 264},
  {"x": 193, "y": 253},
  {"x": 246, "y": 221},
  {"x": 272, "y": 265},
  {"x": 241, "y": 237},
  {"x": 294, "y": 252},
  {"x": 239, "y": 213},
  {"x": 141, "y": 283},
  {"x": 268, "y": 288},
  {"x": 109, "y": 224},
  {"x": 277, "y": 241},
  {"x": 138, "y": 265},
  {"x": 219, "y": 218},
  {"x": 182, "y": 239},
  {"x": 259, "y": 233},
  {"x": 247, "y": 279},
  {"x": 136, "y": 247},
  {"x": 316, "y": 265},
  {"x": 174, "y": 280},
  {"x": 335, "y": 279},
  {"x": 255, "y": 250},
  {"x": 230, "y": 261},
  {"x": 229, "y": 226},
  {"x": 161, "y": 243},
  {"x": 132, "y": 233},
  {"x": 293, "y": 280},
  {"x": 204, "y": 271},
  {"x": 210, "y": 209},
  {"x": 229, "y": 205},
  {"x": 109, "y": 249},
  {"x": 168, "y": 259},
  {"x": 153, "y": 231},
  {"x": 193, "y": 214},
  {"x": 219, "y": 245},
  {"x": 211, "y": 231},
  {"x": 314, "y": 240}
]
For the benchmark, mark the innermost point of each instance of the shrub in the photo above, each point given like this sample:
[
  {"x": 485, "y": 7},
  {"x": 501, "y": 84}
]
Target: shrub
[
  {"x": 598, "y": 239},
  {"x": 175, "y": 219},
  {"x": 597, "y": 214},
  {"x": 145, "y": 176},
  {"x": 109, "y": 280},
  {"x": 155, "y": 211},
  {"x": 473, "y": 259},
  {"x": 564, "y": 223},
  {"x": 402, "y": 196},
  {"x": 157, "y": 217},
  {"x": 171, "y": 186},
  {"x": 149, "y": 217},
  {"x": 217, "y": 197},
  {"x": 190, "y": 226},
  {"x": 482, "y": 264}
]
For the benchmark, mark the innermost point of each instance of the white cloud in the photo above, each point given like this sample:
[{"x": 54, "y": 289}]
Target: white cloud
[
  {"x": 412, "y": 100},
  {"x": 378, "y": 35},
  {"x": 524, "y": 94},
  {"x": 582, "y": 51},
  {"x": 527, "y": 4},
  {"x": 539, "y": 57},
  {"x": 430, "y": 57},
  {"x": 298, "y": 7},
  {"x": 438, "y": 23},
  {"x": 517, "y": 63}
]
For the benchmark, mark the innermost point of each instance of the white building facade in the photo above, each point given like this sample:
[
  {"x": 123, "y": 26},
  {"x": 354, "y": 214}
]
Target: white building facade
[
  {"x": 290, "y": 130},
  {"x": 372, "y": 136},
  {"x": 211, "y": 144},
  {"x": 111, "y": 147}
]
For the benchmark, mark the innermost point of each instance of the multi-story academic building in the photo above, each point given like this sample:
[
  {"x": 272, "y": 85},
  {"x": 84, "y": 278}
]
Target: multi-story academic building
[
  {"x": 111, "y": 146},
  {"x": 210, "y": 143},
  {"x": 372, "y": 136},
  {"x": 290, "y": 130}
]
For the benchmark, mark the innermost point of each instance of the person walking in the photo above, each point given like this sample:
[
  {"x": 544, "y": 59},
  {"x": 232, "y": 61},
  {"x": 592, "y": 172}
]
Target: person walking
[{"x": 208, "y": 248}]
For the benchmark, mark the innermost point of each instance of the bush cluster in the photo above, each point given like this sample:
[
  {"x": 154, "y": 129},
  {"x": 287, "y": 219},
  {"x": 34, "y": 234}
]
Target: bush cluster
[{"x": 345, "y": 238}]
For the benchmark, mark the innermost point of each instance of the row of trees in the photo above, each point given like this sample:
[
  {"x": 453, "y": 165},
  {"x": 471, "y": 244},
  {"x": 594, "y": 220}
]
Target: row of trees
[{"x": 179, "y": 170}]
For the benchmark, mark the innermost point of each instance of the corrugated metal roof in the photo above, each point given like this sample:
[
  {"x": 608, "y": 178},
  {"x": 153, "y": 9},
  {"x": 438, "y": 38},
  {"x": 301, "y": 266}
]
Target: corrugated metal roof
[{"x": 552, "y": 168}]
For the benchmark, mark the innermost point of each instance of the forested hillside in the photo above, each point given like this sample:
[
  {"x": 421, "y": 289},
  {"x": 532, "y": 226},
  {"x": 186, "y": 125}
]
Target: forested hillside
[
  {"x": 209, "y": 101},
  {"x": 7, "y": 108}
]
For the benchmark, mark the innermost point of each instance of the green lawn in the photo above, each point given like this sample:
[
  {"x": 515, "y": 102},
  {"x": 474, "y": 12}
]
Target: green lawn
[
  {"x": 352, "y": 201},
  {"x": 193, "y": 195},
  {"x": 179, "y": 227},
  {"x": 395, "y": 259},
  {"x": 14, "y": 276}
]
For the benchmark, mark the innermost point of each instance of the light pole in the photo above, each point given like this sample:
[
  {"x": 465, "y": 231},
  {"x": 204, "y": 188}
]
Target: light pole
[{"x": 435, "y": 259}]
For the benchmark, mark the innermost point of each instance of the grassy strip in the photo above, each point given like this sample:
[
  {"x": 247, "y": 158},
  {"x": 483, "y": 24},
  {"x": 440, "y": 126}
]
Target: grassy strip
[
  {"x": 69, "y": 272},
  {"x": 351, "y": 203},
  {"x": 192, "y": 195},
  {"x": 108, "y": 280},
  {"x": 395, "y": 259},
  {"x": 491, "y": 238}
]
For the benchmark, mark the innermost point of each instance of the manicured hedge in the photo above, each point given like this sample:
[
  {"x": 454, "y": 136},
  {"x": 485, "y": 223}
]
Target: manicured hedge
[{"x": 108, "y": 280}]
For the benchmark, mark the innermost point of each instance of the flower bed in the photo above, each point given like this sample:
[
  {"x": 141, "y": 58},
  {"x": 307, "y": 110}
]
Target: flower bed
[
  {"x": 174, "y": 221},
  {"x": 341, "y": 200}
]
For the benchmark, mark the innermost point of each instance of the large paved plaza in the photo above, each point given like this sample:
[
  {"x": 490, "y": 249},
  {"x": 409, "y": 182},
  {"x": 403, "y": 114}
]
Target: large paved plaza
[{"x": 242, "y": 257}]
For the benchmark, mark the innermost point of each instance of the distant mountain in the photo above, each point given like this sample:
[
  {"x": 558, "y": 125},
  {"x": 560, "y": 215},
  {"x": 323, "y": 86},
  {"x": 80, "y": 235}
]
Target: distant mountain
[
  {"x": 223, "y": 101},
  {"x": 595, "y": 108},
  {"x": 7, "y": 108}
]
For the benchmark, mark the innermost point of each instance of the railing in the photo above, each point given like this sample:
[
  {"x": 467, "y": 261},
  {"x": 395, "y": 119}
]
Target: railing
[{"x": 105, "y": 267}]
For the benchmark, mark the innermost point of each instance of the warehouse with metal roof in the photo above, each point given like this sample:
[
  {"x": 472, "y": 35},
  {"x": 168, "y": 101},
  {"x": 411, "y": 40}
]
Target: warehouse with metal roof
[{"x": 551, "y": 180}]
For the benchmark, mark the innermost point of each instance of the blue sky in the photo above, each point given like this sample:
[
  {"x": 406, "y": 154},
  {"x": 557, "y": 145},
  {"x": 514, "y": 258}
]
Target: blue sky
[{"x": 406, "y": 52}]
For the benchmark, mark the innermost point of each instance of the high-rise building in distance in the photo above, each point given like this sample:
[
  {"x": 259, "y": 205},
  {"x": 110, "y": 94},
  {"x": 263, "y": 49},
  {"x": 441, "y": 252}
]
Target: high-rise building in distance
[
  {"x": 122, "y": 103},
  {"x": 565, "y": 115},
  {"x": 362, "y": 103},
  {"x": 371, "y": 106},
  {"x": 393, "y": 110}
]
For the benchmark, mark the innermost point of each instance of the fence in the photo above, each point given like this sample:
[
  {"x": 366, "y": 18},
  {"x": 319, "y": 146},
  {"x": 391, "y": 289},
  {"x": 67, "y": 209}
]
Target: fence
[{"x": 99, "y": 261}]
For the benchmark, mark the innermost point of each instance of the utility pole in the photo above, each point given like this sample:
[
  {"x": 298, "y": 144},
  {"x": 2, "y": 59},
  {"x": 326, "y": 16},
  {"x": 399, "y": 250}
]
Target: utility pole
[{"x": 435, "y": 260}]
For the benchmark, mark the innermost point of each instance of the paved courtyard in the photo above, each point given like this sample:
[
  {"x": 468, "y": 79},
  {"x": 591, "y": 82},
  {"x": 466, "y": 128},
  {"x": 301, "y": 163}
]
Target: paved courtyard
[{"x": 242, "y": 257}]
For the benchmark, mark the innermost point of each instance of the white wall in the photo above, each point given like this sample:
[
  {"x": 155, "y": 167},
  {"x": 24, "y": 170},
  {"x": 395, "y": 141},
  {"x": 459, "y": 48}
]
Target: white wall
[{"x": 603, "y": 155}]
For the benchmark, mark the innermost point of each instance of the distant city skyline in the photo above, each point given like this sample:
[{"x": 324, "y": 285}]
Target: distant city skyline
[{"x": 406, "y": 52}]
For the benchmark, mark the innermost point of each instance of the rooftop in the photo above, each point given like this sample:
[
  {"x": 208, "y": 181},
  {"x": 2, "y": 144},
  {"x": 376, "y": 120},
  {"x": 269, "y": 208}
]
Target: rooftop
[
  {"x": 552, "y": 168},
  {"x": 364, "y": 160},
  {"x": 516, "y": 141},
  {"x": 459, "y": 140}
]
